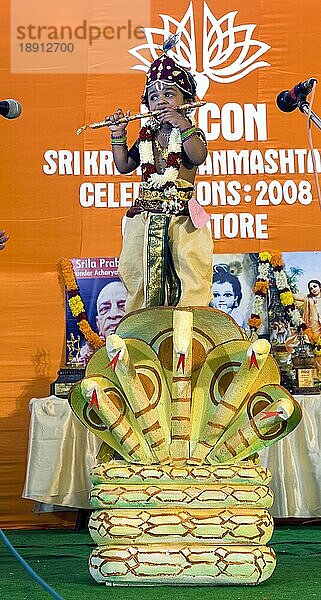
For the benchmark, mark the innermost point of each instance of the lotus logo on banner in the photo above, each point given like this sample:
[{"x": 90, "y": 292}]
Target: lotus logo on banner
[{"x": 229, "y": 52}]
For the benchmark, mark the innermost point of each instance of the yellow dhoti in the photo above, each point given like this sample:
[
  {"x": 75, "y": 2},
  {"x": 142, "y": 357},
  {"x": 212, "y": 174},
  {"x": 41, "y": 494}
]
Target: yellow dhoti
[{"x": 191, "y": 252}]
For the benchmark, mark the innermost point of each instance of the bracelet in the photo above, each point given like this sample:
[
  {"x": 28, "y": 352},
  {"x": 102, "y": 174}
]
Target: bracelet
[
  {"x": 187, "y": 137},
  {"x": 118, "y": 141},
  {"x": 187, "y": 133},
  {"x": 192, "y": 127},
  {"x": 116, "y": 137},
  {"x": 119, "y": 137}
]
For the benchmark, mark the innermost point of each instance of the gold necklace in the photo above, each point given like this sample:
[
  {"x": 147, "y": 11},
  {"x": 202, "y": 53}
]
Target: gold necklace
[{"x": 163, "y": 152}]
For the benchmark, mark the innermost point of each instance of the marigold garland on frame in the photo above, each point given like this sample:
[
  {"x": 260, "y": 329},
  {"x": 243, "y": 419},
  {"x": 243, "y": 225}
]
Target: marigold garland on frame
[
  {"x": 76, "y": 305},
  {"x": 271, "y": 263}
]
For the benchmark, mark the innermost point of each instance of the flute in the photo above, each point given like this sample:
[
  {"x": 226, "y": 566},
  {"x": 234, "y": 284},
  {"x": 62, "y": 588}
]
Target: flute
[{"x": 135, "y": 117}]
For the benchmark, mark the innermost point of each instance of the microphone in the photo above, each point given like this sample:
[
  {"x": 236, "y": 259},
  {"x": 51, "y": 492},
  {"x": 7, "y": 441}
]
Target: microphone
[
  {"x": 289, "y": 100},
  {"x": 10, "y": 109}
]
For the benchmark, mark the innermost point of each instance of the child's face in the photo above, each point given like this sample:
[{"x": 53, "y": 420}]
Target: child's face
[
  {"x": 160, "y": 94},
  {"x": 223, "y": 296}
]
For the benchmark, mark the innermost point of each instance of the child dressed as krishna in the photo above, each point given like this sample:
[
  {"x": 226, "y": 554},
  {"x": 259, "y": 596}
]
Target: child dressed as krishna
[{"x": 165, "y": 258}]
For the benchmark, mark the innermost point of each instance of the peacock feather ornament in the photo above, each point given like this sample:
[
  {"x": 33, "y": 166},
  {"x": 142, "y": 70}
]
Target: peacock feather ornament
[{"x": 186, "y": 401}]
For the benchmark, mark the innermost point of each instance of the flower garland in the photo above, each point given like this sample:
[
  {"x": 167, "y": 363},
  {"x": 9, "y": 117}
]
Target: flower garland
[
  {"x": 76, "y": 305},
  {"x": 273, "y": 259},
  {"x": 150, "y": 177}
]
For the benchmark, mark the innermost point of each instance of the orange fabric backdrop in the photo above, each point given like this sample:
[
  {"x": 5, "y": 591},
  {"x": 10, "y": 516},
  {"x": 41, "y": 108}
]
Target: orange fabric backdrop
[{"x": 43, "y": 214}]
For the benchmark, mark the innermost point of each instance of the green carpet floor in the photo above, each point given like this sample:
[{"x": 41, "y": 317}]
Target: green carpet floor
[{"x": 60, "y": 557}]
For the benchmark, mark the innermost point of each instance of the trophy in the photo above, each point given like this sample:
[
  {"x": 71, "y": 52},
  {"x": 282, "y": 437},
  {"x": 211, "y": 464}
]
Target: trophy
[
  {"x": 304, "y": 365},
  {"x": 72, "y": 372}
]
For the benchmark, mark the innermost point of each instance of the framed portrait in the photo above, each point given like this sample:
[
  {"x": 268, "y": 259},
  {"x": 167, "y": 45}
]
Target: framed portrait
[
  {"x": 300, "y": 366},
  {"x": 103, "y": 296},
  {"x": 234, "y": 276}
]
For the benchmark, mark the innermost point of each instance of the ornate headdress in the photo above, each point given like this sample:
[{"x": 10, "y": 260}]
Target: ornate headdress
[{"x": 165, "y": 69}]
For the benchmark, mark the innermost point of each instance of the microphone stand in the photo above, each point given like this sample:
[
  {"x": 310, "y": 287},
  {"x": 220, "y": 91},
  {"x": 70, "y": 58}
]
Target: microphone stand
[{"x": 303, "y": 105}]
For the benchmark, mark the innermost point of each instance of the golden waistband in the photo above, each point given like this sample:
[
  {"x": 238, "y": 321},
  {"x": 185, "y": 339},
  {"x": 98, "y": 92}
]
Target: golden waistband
[{"x": 181, "y": 195}]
